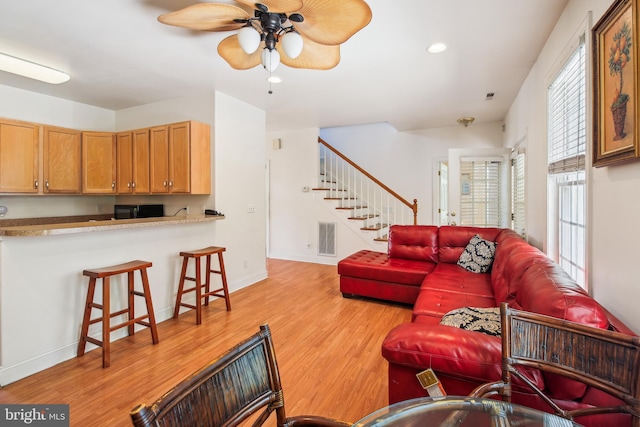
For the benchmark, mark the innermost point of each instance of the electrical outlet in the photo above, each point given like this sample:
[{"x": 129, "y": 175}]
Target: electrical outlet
[
  {"x": 246, "y": 263},
  {"x": 187, "y": 210},
  {"x": 251, "y": 209}
]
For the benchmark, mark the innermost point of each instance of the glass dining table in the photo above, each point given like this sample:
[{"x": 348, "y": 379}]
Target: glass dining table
[{"x": 452, "y": 411}]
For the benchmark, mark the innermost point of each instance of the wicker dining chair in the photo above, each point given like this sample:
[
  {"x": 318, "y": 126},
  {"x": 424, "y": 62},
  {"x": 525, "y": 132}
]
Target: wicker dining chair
[
  {"x": 606, "y": 360},
  {"x": 227, "y": 391}
]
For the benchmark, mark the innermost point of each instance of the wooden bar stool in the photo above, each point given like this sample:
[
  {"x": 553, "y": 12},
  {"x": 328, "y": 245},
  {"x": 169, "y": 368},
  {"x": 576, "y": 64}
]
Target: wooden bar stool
[
  {"x": 222, "y": 292},
  {"x": 105, "y": 274}
]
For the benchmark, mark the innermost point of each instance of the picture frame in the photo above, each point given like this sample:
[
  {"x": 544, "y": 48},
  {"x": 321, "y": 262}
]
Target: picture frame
[{"x": 615, "y": 85}]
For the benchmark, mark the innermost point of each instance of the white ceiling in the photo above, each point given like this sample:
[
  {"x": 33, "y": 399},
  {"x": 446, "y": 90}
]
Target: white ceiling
[{"x": 119, "y": 55}]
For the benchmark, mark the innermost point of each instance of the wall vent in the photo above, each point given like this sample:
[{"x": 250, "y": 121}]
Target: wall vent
[{"x": 327, "y": 238}]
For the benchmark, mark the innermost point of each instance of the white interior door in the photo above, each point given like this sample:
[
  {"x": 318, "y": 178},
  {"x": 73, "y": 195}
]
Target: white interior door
[
  {"x": 479, "y": 187},
  {"x": 441, "y": 193}
]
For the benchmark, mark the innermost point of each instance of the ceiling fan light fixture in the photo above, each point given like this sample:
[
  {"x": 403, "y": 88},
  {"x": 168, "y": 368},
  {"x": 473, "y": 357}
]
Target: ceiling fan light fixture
[
  {"x": 249, "y": 39},
  {"x": 270, "y": 59},
  {"x": 292, "y": 44}
]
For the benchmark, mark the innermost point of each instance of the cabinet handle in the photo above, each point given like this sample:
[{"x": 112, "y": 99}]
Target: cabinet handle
[
  {"x": 128, "y": 185},
  {"x": 35, "y": 184},
  {"x": 171, "y": 183},
  {"x": 165, "y": 183},
  {"x": 46, "y": 184},
  {"x": 133, "y": 184},
  {"x": 113, "y": 185}
]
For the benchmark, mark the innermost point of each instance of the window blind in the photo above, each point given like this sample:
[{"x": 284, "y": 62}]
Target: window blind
[
  {"x": 517, "y": 193},
  {"x": 566, "y": 112},
  {"x": 480, "y": 201}
]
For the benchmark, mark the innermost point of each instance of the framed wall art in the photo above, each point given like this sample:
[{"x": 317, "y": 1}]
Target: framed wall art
[{"x": 615, "y": 88}]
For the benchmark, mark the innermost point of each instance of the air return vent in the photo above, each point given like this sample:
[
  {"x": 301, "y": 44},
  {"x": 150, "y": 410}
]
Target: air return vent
[{"x": 327, "y": 238}]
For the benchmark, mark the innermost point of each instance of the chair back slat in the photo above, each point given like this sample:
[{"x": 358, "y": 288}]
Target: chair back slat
[
  {"x": 606, "y": 360},
  {"x": 225, "y": 392},
  {"x": 600, "y": 358}
]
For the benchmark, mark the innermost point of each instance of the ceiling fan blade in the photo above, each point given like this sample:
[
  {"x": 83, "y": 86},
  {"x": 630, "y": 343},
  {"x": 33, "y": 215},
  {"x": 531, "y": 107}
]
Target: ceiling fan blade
[
  {"x": 333, "y": 22},
  {"x": 275, "y": 6},
  {"x": 206, "y": 17},
  {"x": 230, "y": 50},
  {"x": 314, "y": 56}
]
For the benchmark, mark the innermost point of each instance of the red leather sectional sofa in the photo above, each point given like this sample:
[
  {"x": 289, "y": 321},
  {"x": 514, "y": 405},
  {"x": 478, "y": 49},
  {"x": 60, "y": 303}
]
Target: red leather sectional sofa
[{"x": 420, "y": 269}]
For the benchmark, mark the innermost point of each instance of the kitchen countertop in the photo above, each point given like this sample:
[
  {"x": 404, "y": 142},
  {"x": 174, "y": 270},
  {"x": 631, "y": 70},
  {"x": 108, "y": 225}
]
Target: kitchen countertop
[{"x": 84, "y": 224}]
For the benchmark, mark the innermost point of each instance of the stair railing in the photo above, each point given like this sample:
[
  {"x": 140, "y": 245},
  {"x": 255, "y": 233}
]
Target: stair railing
[{"x": 357, "y": 190}]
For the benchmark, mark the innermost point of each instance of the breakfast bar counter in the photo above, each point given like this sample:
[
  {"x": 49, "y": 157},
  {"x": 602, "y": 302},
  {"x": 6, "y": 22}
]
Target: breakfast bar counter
[
  {"x": 43, "y": 291},
  {"x": 62, "y": 225}
]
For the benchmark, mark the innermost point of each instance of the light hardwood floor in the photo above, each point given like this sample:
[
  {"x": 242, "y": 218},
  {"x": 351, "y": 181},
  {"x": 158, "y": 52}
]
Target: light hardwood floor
[{"x": 328, "y": 351}]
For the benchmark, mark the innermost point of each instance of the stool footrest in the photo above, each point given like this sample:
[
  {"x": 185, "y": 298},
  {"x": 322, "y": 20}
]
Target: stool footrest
[
  {"x": 129, "y": 322},
  {"x": 184, "y": 304},
  {"x": 94, "y": 341}
]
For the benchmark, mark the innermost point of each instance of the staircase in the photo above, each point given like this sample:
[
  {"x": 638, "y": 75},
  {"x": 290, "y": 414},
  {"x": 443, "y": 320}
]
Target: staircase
[{"x": 370, "y": 205}]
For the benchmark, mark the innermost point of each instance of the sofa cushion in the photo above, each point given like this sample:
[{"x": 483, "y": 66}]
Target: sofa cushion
[
  {"x": 457, "y": 352},
  {"x": 477, "y": 256},
  {"x": 485, "y": 320},
  {"x": 373, "y": 265},
  {"x": 413, "y": 242},
  {"x": 512, "y": 258},
  {"x": 453, "y": 278},
  {"x": 438, "y": 302},
  {"x": 545, "y": 288},
  {"x": 452, "y": 240}
]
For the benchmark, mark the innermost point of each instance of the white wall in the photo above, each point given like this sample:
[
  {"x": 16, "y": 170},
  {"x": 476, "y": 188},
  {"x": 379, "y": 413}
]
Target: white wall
[
  {"x": 613, "y": 189},
  {"x": 293, "y": 213},
  {"x": 405, "y": 161},
  {"x": 240, "y": 183}
]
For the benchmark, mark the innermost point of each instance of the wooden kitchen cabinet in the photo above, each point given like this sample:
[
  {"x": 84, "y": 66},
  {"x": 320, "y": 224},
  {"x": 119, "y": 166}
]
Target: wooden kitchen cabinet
[
  {"x": 159, "y": 159},
  {"x": 133, "y": 162},
  {"x": 181, "y": 158},
  {"x": 98, "y": 163},
  {"x": 62, "y": 173},
  {"x": 19, "y": 157}
]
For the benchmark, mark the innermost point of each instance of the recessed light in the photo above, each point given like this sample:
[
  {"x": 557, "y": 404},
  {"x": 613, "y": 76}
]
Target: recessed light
[
  {"x": 437, "y": 48},
  {"x": 31, "y": 70},
  {"x": 274, "y": 79}
]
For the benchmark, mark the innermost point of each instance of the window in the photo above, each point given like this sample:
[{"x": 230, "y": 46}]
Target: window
[
  {"x": 517, "y": 192},
  {"x": 480, "y": 195},
  {"x": 566, "y": 159}
]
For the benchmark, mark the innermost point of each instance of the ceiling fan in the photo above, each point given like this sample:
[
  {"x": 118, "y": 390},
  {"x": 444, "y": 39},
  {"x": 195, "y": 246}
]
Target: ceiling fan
[{"x": 298, "y": 33}]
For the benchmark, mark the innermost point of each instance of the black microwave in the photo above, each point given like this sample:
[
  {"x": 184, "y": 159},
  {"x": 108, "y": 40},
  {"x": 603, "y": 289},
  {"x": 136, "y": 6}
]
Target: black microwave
[{"x": 137, "y": 211}]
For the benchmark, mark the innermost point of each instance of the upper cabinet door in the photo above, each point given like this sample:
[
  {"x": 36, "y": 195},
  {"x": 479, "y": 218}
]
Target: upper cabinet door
[
  {"x": 98, "y": 163},
  {"x": 179, "y": 157},
  {"x": 159, "y": 159},
  {"x": 141, "y": 161},
  {"x": 124, "y": 166},
  {"x": 62, "y": 161},
  {"x": 19, "y": 157}
]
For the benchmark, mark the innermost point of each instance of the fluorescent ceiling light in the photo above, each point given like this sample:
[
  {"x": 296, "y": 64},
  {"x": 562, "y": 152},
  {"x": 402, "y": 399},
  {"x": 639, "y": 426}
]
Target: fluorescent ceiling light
[
  {"x": 437, "y": 48},
  {"x": 32, "y": 70}
]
